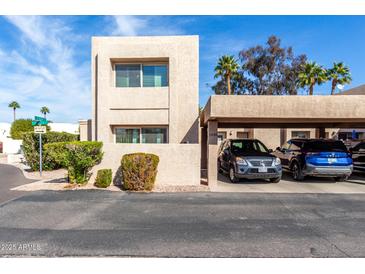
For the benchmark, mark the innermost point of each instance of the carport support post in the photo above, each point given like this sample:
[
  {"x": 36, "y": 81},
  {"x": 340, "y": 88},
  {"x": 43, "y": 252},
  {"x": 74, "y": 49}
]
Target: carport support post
[
  {"x": 321, "y": 132},
  {"x": 212, "y": 153}
]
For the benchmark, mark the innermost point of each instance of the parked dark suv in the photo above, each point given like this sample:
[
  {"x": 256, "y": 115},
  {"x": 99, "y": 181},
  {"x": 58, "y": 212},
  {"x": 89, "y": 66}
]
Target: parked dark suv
[
  {"x": 315, "y": 157},
  {"x": 248, "y": 158},
  {"x": 358, "y": 156}
]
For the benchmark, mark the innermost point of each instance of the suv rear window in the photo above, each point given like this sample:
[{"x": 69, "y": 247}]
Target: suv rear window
[{"x": 325, "y": 146}]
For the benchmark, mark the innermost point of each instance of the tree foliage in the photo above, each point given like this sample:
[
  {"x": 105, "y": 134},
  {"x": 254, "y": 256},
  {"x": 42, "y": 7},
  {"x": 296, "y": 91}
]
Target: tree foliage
[
  {"x": 226, "y": 69},
  {"x": 44, "y": 110},
  {"x": 19, "y": 127},
  {"x": 271, "y": 69},
  {"x": 265, "y": 70},
  {"x": 14, "y": 105},
  {"x": 338, "y": 74},
  {"x": 312, "y": 74}
]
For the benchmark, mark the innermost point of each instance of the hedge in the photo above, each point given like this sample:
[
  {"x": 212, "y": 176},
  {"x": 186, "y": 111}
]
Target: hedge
[
  {"x": 31, "y": 148},
  {"x": 19, "y": 127},
  {"x": 103, "y": 178},
  {"x": 78, "y": 157},
  {"x": 139, "y": 171}
]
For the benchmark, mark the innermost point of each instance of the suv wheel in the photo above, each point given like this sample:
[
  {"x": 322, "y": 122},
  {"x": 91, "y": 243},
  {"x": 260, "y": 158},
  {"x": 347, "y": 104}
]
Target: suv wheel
[
  {"x": 275, "y": 180},
  {"x": 341, "y": 178},
  {"x": 297, "y": 172},
  {"x": 232, "y": 175}
]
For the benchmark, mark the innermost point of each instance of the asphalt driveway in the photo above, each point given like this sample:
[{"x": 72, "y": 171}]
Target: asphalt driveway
[
  {"x": 102, "y": 223},
  {"x": 11, "y": 177}
]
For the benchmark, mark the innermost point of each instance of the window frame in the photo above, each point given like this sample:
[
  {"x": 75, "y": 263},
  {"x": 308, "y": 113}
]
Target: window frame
[
  {"x": 140, "y": 134},
  {"x": 141, "y": 64}
]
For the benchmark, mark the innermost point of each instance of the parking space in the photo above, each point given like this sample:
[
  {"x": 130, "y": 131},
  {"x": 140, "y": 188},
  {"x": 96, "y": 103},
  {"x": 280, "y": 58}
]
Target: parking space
[{"x": 355, "y": 184}]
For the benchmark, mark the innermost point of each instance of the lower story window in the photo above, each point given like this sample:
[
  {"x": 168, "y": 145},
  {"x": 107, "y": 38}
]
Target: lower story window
[
  {"x": 127, "y": 135},
  {"x": 145, "y": 135},
  {"x": 154, "y": 135}
]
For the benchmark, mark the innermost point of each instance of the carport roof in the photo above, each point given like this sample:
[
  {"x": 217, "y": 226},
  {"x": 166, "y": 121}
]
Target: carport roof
[{"x": 285, "y": 111}]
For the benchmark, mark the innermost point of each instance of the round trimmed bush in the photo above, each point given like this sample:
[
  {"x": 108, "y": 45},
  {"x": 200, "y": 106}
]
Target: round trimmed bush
[
  {"x": 139, "y": 171},
  {"x": 103, "y": 178}
]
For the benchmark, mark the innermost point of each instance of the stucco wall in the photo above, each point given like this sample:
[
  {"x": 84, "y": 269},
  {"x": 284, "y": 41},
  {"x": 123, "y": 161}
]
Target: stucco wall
[
  {"x": 273, "y": 109},
  {"x": 175, "y": 105},
  {"x": 269, "y": 136},
  {"x": 179, "y": 163}
]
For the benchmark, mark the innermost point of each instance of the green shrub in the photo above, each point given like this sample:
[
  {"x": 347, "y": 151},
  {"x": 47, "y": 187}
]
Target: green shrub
[
  {"x": 19, "y": 127},
  {"x": 103, "y": 178},
  {"x": 31, "y": 148},
  {"x": 78, "y": 157},
  {"x": 56, "y": 153},
  {"x": 139, "y": 171}
]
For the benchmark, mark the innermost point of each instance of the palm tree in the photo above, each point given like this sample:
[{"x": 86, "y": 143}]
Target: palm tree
[
  {"x": 14, "y": 105},
  {"x": 311, "y": 75},
  {"x": 339, "y": 74},
  {"x": 226, "y": 68},
  {"x": 44, "y": 111}
]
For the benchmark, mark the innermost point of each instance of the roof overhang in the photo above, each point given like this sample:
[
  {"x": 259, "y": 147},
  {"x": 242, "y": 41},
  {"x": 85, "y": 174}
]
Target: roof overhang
[{"x": 285, "y": 111}]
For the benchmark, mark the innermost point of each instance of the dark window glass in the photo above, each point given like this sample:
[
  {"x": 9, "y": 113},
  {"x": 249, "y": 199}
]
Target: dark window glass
[
  {"x": 325, "y": 146},
  {"x": 128, "y": 76},
  {"x": 154, "y": 75},
  {"x": 154, "y": 135},
  {"x": 127, "y": 135}
]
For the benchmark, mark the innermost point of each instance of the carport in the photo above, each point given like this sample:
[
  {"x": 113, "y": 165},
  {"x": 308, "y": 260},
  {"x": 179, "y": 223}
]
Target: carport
[{"x": 320, "y": 112}]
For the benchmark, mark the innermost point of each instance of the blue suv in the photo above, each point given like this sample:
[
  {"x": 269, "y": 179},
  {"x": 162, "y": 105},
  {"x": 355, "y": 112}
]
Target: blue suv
[{"x": 315, "y": 157}]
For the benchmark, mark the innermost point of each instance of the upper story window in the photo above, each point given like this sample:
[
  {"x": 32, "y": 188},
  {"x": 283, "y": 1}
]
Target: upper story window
[
  {"x": 128, "y": 76},
  {"x": 141, "y": 75},
  {"x": 154, "y": 75}
]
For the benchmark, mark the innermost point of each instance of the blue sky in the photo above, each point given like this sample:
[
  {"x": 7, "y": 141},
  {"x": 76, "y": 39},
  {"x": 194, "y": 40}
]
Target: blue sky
[{"x": 45, "y": 60}]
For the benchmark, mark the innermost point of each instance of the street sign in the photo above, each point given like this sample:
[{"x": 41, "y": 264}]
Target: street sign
[
  {"x": 38, "y": 118},
  {"x": 39, "y": 121},
  {"x": 40, "y": 129}
]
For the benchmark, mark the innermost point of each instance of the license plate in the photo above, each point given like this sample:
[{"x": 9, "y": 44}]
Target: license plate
[
  {"x": 262, "y": 169},
  {"x": 332, "y": 160}
]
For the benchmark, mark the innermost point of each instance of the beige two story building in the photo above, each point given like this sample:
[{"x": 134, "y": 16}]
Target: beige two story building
[{"x": 145, "y": 99}]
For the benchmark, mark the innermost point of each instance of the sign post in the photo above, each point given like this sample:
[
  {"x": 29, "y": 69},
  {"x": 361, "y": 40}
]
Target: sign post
[
  {"x": 40, "y": 128},
  {"x": 40, "y": 154}
]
